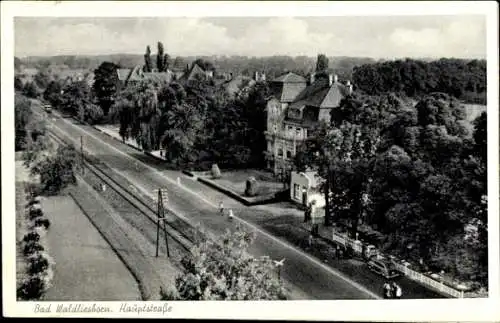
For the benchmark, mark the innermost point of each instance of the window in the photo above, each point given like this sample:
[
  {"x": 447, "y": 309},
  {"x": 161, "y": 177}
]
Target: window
[
  {"x": 298, "y": 132},
  {"x": 288, "y": 154},
  {"x": 280, "y": 152}
]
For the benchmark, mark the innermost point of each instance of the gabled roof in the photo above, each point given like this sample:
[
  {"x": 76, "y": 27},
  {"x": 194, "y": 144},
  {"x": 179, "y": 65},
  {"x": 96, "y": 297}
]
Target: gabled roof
[
  {"x": 321, "y": 95},
  {"x": 123, "y": 73},
  {"x": 234, "y": 85},
  {"x": 193, "y": 72},
  {"x": 159, "y": 77},
  {"x": 290, "y": 78}
]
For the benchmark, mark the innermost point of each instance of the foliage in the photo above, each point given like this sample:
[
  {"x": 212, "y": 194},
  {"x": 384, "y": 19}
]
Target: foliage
[
  {"x": 160, "y": 59},
  {"x": 23, "y": 115},
  {"x": 18, "y": 83},
  {"x": 105, "y": 85},
  {"x": 215, "y": 171},
  {"x": 464, "y": 79},
  {"x": 31, "y": 288},
  {"x": 223, "y": 269},
  {"x": 77, "y": 100},
  {"x": 31, "y": 90},
  {"x": 57, "y": 172},
  {"x": 32, "y": 247},
  {"x": 148, "y": 67},
  {"x": 52, "y": 93},
  {"x": 321, "y": 63},
  {"x": 251, "y": 186}
]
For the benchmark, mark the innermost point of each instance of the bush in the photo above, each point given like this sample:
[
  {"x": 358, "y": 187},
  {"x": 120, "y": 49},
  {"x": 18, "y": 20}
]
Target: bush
[
  {"x": 31, "y": 237},
  {"x": 32, "y": 247},
  {"x": 215, "y": 171},
  {"x": 42, "y": 222},
  {"x": 37, "y": 264},
  {"x": 31, "y": 288},
  {"x": 35, "y": 212},
  {"x": 251, "y": 187}
]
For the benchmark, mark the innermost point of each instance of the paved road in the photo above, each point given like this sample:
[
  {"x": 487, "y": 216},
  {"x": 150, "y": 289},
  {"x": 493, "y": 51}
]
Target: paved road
[{"x": 307, "y": 276}]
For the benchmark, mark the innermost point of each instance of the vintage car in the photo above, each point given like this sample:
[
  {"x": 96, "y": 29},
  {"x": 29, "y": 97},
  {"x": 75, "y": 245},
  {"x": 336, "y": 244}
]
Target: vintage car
[{"x": 384, "y": 267}]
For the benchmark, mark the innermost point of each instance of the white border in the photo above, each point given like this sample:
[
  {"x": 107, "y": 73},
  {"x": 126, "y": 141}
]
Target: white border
[{"x": 403, "y": 310}]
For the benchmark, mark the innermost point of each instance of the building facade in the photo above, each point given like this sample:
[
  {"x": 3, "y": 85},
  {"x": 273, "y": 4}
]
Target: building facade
[{"x": 295, "y": 107}]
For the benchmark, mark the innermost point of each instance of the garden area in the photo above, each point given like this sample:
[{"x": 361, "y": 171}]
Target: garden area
[{"x": 251, "y": 185}]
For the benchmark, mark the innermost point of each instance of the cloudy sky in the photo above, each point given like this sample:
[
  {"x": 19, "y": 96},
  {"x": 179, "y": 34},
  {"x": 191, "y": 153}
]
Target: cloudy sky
[{"x": 378, "y": 37}]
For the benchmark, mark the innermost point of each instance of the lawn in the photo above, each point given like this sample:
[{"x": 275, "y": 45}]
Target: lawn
[
  {"x": 86, "y": 268},
  {"x": 236, "y": 181}
]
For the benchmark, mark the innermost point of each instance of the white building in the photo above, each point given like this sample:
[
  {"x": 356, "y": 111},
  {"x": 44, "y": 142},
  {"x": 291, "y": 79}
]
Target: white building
[{"x": 305, "y": 188}]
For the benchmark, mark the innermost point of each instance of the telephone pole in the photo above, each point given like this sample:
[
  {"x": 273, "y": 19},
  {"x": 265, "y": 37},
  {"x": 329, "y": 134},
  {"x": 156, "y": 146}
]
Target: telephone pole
[{"x": 161, "y": 218}]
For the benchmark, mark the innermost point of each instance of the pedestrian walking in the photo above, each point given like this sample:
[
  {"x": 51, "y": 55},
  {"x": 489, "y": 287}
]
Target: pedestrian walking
[
  {"x": 387, "y": 290},
  {"x": 231, "y": 215},
  {"x": 221, "y": 208}
]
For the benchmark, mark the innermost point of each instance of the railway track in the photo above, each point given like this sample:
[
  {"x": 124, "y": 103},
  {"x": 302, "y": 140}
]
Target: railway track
[{"x": 182, "y": 232}]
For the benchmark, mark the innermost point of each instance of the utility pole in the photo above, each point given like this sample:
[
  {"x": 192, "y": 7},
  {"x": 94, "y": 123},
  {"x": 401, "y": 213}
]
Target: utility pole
[
  {"x": 81, "y": 152},
  {"x": 162, "y": 197}
]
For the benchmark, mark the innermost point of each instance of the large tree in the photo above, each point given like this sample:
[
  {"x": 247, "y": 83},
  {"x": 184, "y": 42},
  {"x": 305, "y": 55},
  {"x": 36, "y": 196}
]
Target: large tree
[
  {"x": 148, "y": 66},
  {"x": 321, "y": 63},
  {"x": 160, "y": 58},
  {"x": 105, "y": 85},
  {"x": 223, "y": 269}
]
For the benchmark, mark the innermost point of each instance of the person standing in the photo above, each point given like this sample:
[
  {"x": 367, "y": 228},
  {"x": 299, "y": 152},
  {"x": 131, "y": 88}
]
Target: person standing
[
  {"x": 398, "y": 292},
  {"x": 387, "y": 290},
  {"x": 221, "y": 208}
]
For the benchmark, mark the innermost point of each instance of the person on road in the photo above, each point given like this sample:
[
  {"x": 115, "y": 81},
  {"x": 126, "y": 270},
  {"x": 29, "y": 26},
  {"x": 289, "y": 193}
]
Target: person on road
[
  {"x": 221, "y": 208},
  {"x": 387, "y": 290},
  {"x": 398, "y": 292},
  {"x": 231, "y": 215}
]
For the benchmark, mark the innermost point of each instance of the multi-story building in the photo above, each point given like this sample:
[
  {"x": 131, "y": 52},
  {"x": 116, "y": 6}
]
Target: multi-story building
[{"x": 295, "y": 107}]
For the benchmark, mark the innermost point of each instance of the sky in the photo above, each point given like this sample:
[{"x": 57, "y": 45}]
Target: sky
[{"x": 461, "y": 36}]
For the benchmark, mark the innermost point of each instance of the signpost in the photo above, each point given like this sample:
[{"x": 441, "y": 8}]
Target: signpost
[{"x": 161, "y": 218}]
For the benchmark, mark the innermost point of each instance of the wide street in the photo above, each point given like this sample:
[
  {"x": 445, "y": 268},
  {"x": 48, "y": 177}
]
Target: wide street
[{"x": 307, "y": 277}]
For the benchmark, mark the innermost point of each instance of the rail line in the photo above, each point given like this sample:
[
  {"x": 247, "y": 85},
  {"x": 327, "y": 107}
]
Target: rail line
[{"x": 176, "y": 227}]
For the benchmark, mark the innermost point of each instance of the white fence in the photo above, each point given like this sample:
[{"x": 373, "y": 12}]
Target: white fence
[{"x": 357, "y": 246}]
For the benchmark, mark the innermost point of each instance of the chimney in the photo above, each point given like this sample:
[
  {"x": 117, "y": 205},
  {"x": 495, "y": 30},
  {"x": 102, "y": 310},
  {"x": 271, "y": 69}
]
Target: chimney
[
  {"x": 330, "y": 79},
  {"x": 256, "y": 76},
  {"x": 263, "y": 76},
  {"x": 311, "y": 78},
  {"x": 187, "y": 67}
]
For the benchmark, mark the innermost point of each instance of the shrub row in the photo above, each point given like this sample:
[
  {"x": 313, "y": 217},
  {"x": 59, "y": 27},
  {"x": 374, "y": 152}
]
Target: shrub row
[{"x": 39, "y": 269}]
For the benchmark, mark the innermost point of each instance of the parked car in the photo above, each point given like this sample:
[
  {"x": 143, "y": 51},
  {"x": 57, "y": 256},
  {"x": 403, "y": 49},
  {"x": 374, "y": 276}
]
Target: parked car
[{"x": 383, "y": 267}]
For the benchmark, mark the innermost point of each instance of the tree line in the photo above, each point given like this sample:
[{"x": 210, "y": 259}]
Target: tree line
[
  {"x": 415, "y": 173},
  {"x": 195, "y": 123},
  {"x": 463, "y": 79}
]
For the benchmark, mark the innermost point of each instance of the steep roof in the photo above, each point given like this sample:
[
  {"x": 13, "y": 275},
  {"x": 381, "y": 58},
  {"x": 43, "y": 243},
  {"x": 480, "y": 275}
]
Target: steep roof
[
  {"x": 193, "y": 72},
  {"x": 320, "y": 94},
  {"x": 315, "y": 102},
  {"x": 290, "y": 77},
  {"x": 234, "y": 85},
  {"x": 123, "y": 73},
  {"x": 159, "y": 76}
]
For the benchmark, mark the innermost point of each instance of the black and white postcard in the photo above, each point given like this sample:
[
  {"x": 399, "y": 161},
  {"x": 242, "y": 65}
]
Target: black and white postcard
[{"x": 301, "y": 160}]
